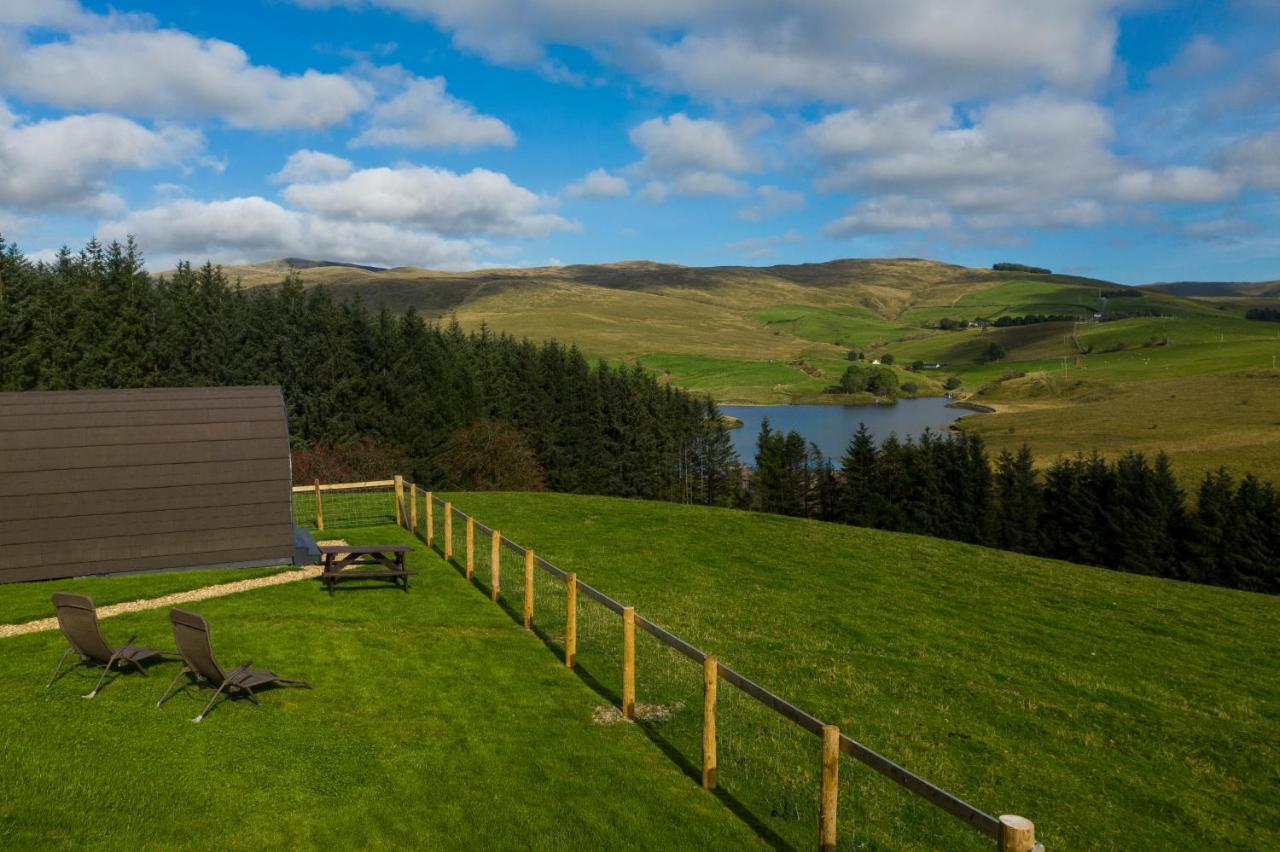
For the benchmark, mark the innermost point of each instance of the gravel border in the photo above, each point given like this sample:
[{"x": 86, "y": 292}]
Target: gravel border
[{"x": 203, "y": 593}]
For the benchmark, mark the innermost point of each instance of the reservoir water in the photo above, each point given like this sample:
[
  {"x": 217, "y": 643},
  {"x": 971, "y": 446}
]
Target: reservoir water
[{"x": 831, "y": 426}]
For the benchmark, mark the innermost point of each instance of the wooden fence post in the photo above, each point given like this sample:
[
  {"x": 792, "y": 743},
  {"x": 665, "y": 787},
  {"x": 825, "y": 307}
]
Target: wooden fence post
[
  {"x": 571, "y": 621},
  {"x": 710, "y": 674},
  {"x": 528, "y": 589},
  {"x": 471, "y": 546},
  {"x": 495, "y": 553},
  {"x": 319, "y": 508},
  {"x": 399, "y": 480},
  {"x": 431, "y": 520},
  {"x": 629, "y": 662},
  {"x": 448, "y": 531},
  {"x": 495, "y": 582},
  {"x": 1017, "y": 834},
  {"x": 830, "y": 787},
  {"x": 413, "y": 509}
]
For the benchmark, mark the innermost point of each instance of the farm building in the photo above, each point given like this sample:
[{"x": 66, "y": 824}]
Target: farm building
[{"x": 106, "y": 481}]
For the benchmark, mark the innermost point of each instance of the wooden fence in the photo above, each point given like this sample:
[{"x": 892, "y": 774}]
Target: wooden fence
[{"x": 1009, "y": 832}]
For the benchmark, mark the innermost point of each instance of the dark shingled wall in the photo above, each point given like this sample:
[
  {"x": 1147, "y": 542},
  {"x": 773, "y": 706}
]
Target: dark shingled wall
[{"x": 93, "y": 482}]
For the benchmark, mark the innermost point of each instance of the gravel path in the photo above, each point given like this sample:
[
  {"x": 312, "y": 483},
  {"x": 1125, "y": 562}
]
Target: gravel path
[{"x": 221, "y": 589}]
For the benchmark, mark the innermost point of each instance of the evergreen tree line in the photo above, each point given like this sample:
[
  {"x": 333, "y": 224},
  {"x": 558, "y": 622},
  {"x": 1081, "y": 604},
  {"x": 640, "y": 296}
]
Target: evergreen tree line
[
  {"x": 1263, "y": 314},
  {"x": 96, "y": 319},
  {"x": 1129, "y": 514}
]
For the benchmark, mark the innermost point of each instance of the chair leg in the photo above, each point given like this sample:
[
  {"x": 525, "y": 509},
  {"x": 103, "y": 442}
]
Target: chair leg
[
  {"x": 169, "y": 688},
  {"x": 58, "y": 669},
  {"x": 105, "y": 670},
  {"x": 252, "y": 697},
  {"x": 211, "y": 700}
]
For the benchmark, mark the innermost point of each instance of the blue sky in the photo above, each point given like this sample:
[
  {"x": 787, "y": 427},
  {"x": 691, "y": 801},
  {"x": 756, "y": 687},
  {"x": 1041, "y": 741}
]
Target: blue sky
[{"x": 1130, "y": 141}]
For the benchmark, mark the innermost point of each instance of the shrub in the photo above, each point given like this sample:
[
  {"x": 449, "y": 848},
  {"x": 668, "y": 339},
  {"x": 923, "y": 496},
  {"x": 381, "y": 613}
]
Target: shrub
[
  {"x": 1019, "y": 267},
  {"x": 1011, "y": 374},
  {"x": 952, "y": 382},
  {"x": 886, "y": 358},
  {"x": 361, "y": 460},
  {"x": 993, "y": 352},
  {"x": 910, "y": 387},
  {"x": 490, "y": 455}
]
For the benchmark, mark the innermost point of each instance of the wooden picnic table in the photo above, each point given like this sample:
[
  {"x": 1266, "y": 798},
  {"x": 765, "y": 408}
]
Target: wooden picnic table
[{"x": 338, "y": 558}]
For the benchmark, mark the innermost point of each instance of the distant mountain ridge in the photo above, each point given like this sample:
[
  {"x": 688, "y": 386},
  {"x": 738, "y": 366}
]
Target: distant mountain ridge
[{"x": 1254, "y": 289}]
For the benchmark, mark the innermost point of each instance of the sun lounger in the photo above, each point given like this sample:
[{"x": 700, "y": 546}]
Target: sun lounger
[
  {"x": 78, "y": 620},
  {"x": 191, "y": 632}
]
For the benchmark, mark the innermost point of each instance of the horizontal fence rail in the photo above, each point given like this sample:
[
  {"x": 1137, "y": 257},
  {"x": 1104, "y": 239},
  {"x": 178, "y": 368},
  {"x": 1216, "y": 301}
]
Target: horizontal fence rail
[{"x": 1011, "y": 833}]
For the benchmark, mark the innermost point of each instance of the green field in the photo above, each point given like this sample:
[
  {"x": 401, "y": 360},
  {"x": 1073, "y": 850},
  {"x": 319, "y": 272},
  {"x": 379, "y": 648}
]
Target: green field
[
  {"x": 1116, "y": 711},
  {"x": 434, "y": 723},
  {"x": 782, "y": 334}
]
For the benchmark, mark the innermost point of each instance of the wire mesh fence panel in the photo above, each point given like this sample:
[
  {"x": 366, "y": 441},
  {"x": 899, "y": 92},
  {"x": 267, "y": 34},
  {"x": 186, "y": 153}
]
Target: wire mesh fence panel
[
  {"x": 434, "y": 522},
  {"x": 345, "y": 508},
  {"x": 770, "y": 766},
  {"x": 669, "y": 700},
  {"x": 600, "y": 649},
  {"x": 549, "y": 613},
  {"x": 877, "y": 813}
]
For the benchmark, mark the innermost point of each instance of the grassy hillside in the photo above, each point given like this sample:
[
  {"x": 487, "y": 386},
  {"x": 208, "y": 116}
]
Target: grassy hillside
[
  {"x": 434, "y": 723},
  {"x": 784, "y": 333},
  {"x": 1116, "y": 711}
]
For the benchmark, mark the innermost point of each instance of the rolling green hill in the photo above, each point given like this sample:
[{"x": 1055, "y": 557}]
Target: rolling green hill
[
  {"x": 785, "y": 333},
  {"x": 1117, "y": 711}
]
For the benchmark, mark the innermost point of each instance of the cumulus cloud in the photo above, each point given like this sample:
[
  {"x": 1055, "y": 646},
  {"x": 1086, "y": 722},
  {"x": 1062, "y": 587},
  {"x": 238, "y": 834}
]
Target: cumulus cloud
[
  {"x": 1037, "y": 161},
  {"x": 169, "y": 73},
  {"x": 690, "y": 156},
  {"x": 837, "y": 51},
  {"x": 1201, "y": 55},
  {"x": 477, "y": 202},
  {"x": 771, "y": 201},
  {"x": 425, "y": 115},
  {"x": 306, "y": 165},
  {"x": 240, "y": 230},
  {"x": 1255, "y": 160},
  {"x": 22, "y": 14},
  {"x": 65, "y": 163},
  {"x": 679, "y": 144},
  {"x": 891, "y": 213},
  {"x": 598, "y": 183}
]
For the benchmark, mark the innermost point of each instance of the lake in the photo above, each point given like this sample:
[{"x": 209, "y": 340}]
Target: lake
[{"x": 831, "y": 426}]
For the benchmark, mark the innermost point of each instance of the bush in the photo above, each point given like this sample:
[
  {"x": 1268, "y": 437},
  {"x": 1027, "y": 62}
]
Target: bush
[
  {"x": 1019, "y": 267},
  {"x": 859, "y": 379},
  {"x": 910, "y": 387},
  {"x": 1011, "y": 374},
  {"x": 490, "y": 455},
  {"x": 361, "y": 460},
  {"x": 952, "y": 382},
  {"x": 916, "y": 366},
  {"x": 886, "y": 358},
  {"x": 993, "y": 352}
]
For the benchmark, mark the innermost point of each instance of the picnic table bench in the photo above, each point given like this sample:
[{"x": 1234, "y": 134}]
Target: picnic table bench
[{"x": 338, "y": 558}]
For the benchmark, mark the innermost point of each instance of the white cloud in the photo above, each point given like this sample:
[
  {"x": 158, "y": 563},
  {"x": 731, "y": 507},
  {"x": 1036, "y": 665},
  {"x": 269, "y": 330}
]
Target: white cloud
[
  {"x": 1037, "y": 161},
  {"x": 168, "y": 73},
  {"x": 306, "y": 165},
  {"x": 425, "y": 115},
  {"x": 477, "y": 202},
  {"x": 23, "y": 14},
  {"x": 891, "y": 213},
  {"x": 679, "y": 144},
  {"x": 1255, "y": 160},
  {"x": 241, "y": 230},
  {"x": 690, "y": 156},
  {"x": 64, "y": 163},
  {"x": 1199, "y": 56},
  {"x": 598, "y": 183},
  {"x": 1176, "y": 183},
  {"x": 773, "y": 201},
  {"x": 837, "y": 50}
]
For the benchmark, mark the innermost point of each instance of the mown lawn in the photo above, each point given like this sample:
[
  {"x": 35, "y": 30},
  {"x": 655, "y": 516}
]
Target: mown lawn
[
  {"x": 435, "y": 722},
  {"x": 1118, "y": 712}
]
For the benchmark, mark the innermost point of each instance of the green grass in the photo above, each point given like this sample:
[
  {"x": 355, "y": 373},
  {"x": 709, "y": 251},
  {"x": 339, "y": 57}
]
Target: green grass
[
  {"x": 21, "y": 602},
  {"x": 1203, "y": 422},
  {"x": 1116, "y": 711},
  {"x": 847, "y": 327},
  {"x": 435, "y": 722}
]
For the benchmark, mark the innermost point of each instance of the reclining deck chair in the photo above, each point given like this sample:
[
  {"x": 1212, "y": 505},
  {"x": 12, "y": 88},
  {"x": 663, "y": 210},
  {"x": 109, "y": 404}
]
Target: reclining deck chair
[
  {"x": 78, "y": 620},
  {"x": 191, "y": 632}
]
